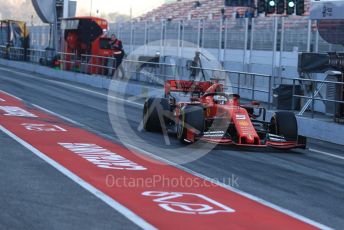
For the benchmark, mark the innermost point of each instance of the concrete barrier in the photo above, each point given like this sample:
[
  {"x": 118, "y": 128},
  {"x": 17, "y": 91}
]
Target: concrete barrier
[{"x": 320, "y": 129}]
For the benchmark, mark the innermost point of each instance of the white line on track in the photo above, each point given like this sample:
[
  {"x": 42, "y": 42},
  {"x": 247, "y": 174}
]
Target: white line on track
[
  {"x": 247, "y": 195},
  {"x": 102, "y": 196},
  {"x": 19, "y": 99},
  {"x": 326, "y": 153},
  {"x": 58, "y": 115}
]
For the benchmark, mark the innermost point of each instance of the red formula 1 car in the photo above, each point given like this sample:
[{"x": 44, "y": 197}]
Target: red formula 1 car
[{"x": 203, "y": 111}]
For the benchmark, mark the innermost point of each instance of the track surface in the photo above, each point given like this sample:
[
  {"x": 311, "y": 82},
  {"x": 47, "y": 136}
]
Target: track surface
[
  {"x": 36, "y": 196},
  {"x": 308, "y": 183}
]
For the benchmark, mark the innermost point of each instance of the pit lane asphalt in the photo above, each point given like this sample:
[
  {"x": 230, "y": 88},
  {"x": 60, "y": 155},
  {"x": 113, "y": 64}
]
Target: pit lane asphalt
[
  {"x": 34, "y": 195},
  {"x": 302, "y": 181}
]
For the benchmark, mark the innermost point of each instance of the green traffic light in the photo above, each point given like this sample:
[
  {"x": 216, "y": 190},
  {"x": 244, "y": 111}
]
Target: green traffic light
[
  {"x": 291, "y": 4},
  {"x": 272, "y": 3}
]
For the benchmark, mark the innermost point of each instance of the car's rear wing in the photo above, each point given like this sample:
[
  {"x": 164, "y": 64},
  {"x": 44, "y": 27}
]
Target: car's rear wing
[{"x": 186, "y": 86}]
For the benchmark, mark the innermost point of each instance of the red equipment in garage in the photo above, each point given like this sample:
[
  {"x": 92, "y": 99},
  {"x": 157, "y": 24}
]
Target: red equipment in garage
[{"x": 86, "y": 44}]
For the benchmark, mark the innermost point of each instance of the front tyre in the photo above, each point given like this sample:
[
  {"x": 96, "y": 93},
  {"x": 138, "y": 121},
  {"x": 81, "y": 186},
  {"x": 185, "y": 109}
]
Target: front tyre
[
  {"x": 284, "y": 124},
  {"x": 155, "y": 114},
  {"x": 191, "y": 119}
]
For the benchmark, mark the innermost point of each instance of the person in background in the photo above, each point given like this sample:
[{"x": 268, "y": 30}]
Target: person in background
[
  {"x": 237, "y": 14},
  {"x": 249, "y": 13},
  {"x": 195, "y": 65},
  {"x": 118, "y": 53}
]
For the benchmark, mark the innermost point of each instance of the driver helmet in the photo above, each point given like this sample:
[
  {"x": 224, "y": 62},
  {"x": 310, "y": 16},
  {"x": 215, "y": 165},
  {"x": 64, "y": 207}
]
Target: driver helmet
[{"x": 220, "y": 99}]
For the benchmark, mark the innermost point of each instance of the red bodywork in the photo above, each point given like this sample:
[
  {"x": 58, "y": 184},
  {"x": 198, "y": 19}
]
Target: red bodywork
[
  {"x": 86, "y": 36},
  {"x": 230, "y": 112}
]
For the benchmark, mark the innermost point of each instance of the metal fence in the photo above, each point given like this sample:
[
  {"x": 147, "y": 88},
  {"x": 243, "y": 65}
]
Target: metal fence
[{"x": 264, "y": 45}]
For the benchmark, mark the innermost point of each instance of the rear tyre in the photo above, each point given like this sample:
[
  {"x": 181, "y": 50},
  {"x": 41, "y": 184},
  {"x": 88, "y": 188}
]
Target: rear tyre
[
  {"x": 284, "y": 124},
  {"x": 192, "y": 116},
  {"x": 154, "y": 110}
]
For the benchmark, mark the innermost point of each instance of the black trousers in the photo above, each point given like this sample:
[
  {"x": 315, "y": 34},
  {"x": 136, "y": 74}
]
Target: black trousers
[{"x": 117, "y": 65}]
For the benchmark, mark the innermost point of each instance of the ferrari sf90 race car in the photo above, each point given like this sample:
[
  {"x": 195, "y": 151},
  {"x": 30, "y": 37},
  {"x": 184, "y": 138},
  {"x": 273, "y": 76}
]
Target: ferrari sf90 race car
[{"x": 203, "y": 111}]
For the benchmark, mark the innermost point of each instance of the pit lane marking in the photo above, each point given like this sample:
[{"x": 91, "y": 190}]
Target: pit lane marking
[
  {"x": 326, "y": 153},
  {"x": 8, "y": 94},
  {"x": 170, "y": 201},
  {"x": 98, "y": 193},
  {"x": 237, "y": 191},
  {"x": 43, "y": 127},
  {"x": 102, "y": 157},
  {"x": 204, "y": 206},
  {"x": 15, "y": 111}
]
